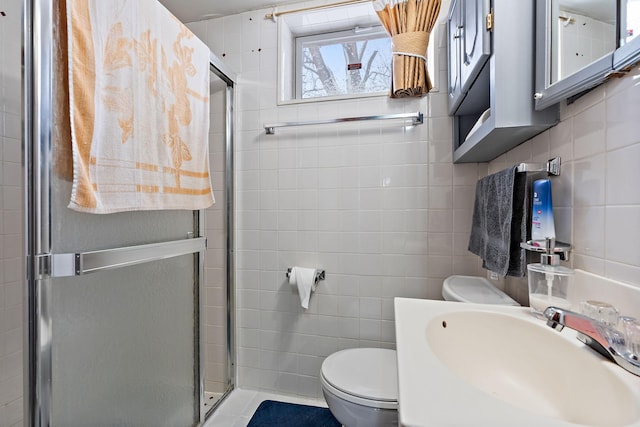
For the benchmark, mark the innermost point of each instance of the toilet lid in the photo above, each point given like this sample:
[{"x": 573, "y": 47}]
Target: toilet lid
[
  {"x": 475, "y": 290},
  {"x": 369, "y": 373}
]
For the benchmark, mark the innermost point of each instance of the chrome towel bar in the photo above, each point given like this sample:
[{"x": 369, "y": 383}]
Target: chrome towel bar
[
  {"x": 77, "y": 264},
  {"x": 417, "y": 118}
]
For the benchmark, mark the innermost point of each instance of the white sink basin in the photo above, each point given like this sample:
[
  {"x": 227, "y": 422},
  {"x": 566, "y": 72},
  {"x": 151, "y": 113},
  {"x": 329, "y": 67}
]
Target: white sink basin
[{"x": 480, "y": 365}]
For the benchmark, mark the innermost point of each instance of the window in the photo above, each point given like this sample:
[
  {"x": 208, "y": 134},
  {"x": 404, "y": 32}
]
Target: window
[
  {"x": 342, "y": 63},
  {"x": 337, "y": 52}
]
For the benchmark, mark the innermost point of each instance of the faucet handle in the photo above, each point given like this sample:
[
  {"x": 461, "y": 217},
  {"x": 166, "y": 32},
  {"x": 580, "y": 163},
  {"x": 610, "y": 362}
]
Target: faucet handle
[
  {"x": 600, "y": 311},
  {"x": 631, "y": 330}
]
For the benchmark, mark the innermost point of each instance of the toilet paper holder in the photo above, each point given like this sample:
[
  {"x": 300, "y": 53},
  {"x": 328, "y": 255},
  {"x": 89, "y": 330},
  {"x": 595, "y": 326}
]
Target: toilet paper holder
[{"x": 319, "y": 274}]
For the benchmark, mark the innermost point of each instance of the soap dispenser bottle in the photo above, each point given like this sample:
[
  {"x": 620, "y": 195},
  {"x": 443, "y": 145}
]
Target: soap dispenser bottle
[{"x": 549, "y": 282}]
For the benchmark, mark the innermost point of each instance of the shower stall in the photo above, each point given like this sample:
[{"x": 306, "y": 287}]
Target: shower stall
[{"x": 128, "y": 316}]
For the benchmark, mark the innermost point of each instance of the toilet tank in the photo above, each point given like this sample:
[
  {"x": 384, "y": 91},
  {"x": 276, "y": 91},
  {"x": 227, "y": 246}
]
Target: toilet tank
[{"x": 474, "y": 289}]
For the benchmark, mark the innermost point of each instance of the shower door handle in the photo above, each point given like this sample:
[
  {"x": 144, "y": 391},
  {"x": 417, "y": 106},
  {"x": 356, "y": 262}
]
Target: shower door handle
[{"x": 77, "y": 264}]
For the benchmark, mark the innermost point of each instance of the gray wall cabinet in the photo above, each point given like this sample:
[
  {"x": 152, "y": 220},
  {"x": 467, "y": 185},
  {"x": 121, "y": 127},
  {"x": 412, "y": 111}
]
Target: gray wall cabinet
[{"x": 491, "y": 78}]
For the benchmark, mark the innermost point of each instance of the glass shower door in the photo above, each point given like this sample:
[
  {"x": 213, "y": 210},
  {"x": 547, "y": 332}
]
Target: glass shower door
[
  {"x": 124, "y": 339},
  {"x": 113, "y": 301},
  {"x": 123, "y": 348}
]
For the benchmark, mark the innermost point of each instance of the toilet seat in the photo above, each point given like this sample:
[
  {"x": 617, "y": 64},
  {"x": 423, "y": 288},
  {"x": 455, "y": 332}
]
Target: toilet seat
[
  {"x": 365, "y": 376},
  {"x": 473, "y": 289}
]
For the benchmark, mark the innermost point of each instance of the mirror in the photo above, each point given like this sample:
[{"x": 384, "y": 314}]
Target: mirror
[
  {"x": 630, "y": 21},
  {"x": 629, "y": 51},
  {"x": 582, "y": 31},
  {"x": 575, "y": 45}
]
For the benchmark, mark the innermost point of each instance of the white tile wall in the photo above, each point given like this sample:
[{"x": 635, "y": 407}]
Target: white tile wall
[
  {"x": 11, "y": 214},
  {"x": 385, "y": 213},
  {"x": 378, "y": 205},
  {"x": 596, "y": 199}
]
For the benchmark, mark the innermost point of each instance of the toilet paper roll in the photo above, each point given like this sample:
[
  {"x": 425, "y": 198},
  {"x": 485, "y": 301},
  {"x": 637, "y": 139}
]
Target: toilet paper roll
[{"x": 304, "y": 280}]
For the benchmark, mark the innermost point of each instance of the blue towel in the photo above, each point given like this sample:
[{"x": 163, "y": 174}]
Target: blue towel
[{"x": 499, "y": 222}]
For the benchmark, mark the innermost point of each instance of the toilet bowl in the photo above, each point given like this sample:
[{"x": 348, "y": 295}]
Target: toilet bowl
[
  {"x": 475, "y": 290},
  {"x": 360, "y": 386}
]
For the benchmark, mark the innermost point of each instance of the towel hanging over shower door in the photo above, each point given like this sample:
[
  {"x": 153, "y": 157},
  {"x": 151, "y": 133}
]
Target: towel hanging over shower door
[{"x": 139, "y": 99}]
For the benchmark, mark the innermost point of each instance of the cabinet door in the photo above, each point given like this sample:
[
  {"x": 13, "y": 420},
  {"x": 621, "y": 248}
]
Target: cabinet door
[
  {"x": 454, "y": 51},
  {"x": 476, "y": 41}
]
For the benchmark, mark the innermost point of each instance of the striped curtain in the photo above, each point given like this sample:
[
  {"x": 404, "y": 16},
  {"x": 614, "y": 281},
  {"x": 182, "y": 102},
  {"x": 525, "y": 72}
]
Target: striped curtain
[{"x": 409, "y": 23}]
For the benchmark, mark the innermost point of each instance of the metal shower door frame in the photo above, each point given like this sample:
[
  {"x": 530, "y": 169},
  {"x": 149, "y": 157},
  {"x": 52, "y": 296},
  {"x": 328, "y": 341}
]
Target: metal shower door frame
[
  {"x": 218, "y": 68},
  {"x": 37, "y": 96}
]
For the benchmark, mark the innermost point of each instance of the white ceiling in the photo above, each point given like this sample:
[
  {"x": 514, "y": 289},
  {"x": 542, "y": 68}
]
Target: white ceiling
[
  {"x": 197, "y": 10},
  {"x": 601, "y": 10}
]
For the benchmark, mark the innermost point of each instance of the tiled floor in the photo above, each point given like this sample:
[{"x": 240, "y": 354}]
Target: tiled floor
[{"x": 237, "y": 409}]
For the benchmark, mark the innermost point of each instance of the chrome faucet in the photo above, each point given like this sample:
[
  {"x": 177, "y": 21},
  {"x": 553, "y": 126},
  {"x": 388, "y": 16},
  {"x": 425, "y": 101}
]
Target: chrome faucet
[{"x": 605, "y": 339}]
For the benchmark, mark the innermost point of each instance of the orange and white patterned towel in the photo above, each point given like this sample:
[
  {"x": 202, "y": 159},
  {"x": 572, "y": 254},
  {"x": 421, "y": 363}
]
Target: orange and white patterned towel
[{"x": 139, "y": 99}]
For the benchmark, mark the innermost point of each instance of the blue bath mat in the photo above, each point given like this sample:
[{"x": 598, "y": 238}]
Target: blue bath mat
[{"x": 271, "y": 413}]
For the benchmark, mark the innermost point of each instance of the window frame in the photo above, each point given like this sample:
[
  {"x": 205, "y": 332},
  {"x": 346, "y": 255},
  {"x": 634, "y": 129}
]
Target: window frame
[{"x": 295, "y": 24}]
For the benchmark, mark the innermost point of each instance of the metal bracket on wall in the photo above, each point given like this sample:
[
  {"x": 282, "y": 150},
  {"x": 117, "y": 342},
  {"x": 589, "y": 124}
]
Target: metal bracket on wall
[{"x": 552, "y": 167}]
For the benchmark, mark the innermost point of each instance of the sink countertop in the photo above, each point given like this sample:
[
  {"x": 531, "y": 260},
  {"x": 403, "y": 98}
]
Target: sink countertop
[{"x": 432, "y": 395}]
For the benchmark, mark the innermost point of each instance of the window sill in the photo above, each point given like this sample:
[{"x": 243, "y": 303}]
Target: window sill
[
  {"x": 343, "y": 98},
  {"x": 332, "y": 98}
]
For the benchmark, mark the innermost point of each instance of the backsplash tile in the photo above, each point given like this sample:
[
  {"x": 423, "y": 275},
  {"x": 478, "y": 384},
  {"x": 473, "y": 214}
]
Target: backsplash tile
[
  {"x": 622, "y": 229},
  {"x": 589, "y": 131},
  {"x": 588, "y": 181},
  {"x": 623, "y": 175},
  {"x": 590, "y": 239},
  {"x": 623, "y": 126}
]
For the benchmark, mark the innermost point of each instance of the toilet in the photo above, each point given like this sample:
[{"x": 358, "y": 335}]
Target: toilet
[
  {"x": 475, "y": 290},
  {"x": 360, "y": 385}
]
